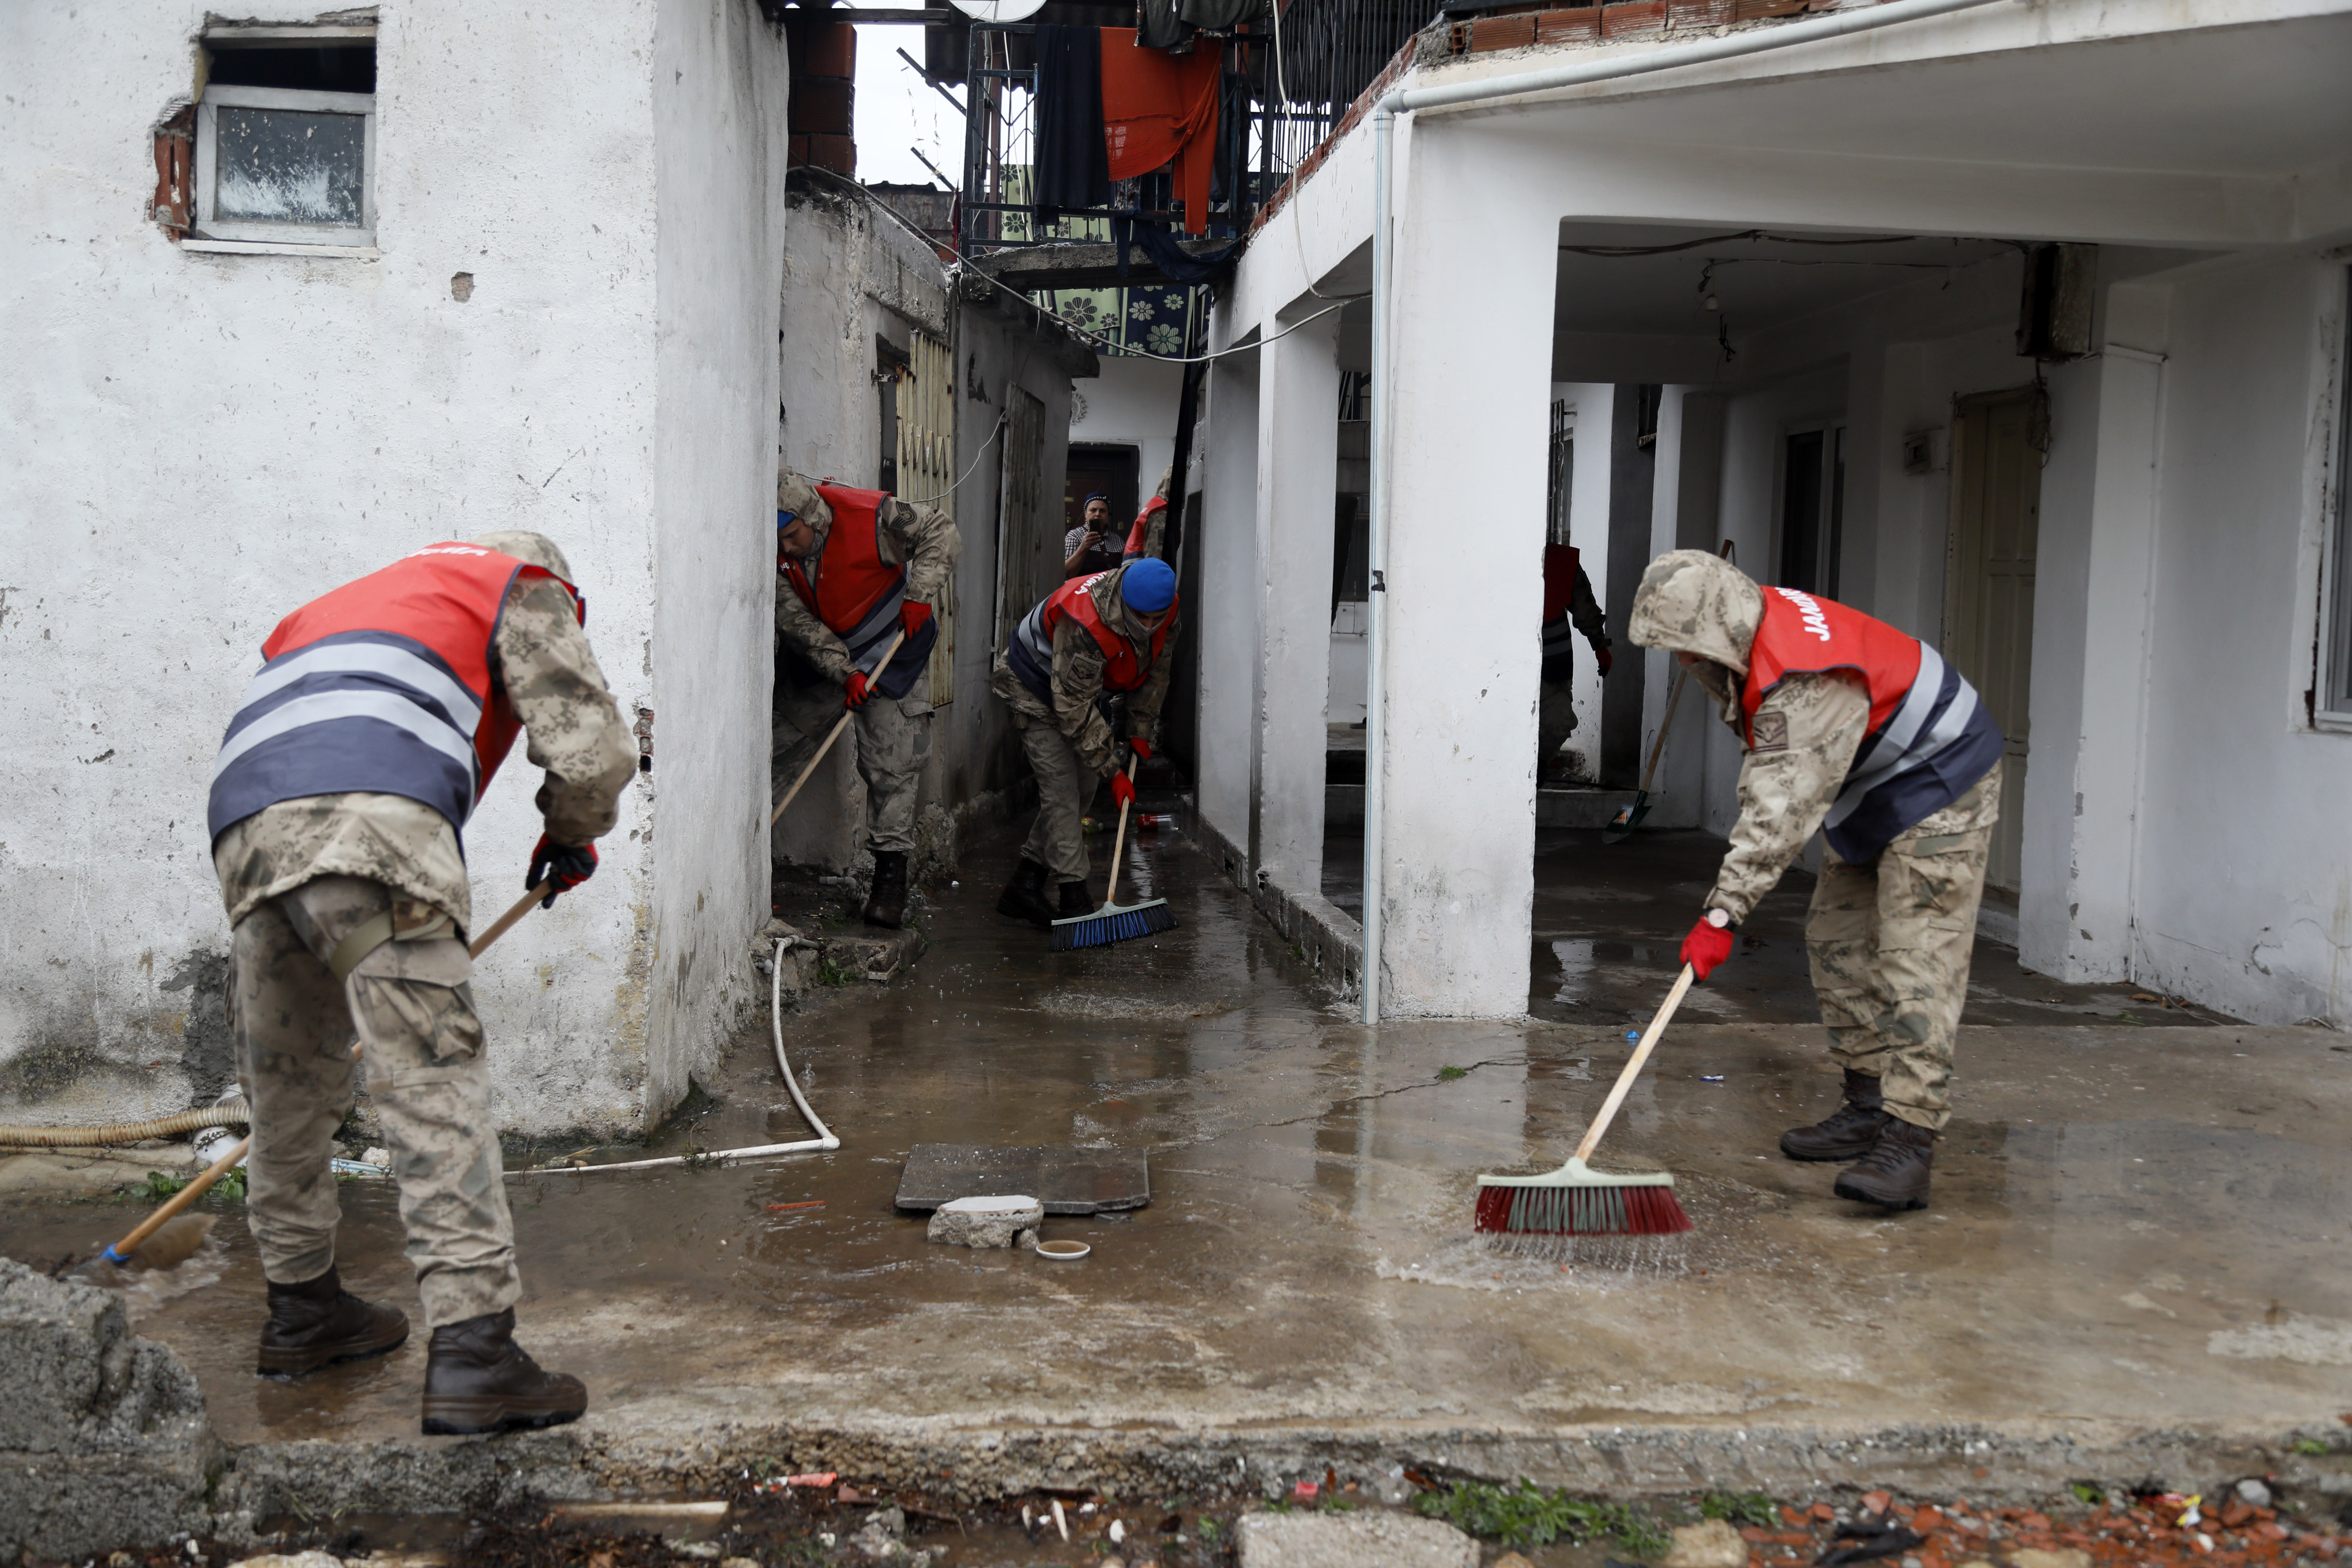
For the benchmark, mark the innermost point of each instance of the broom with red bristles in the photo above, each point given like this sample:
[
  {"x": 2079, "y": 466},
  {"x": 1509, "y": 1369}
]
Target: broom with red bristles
[{"x": 1575, "y": 1200}]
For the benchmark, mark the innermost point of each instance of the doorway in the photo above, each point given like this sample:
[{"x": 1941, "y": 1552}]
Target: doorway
[
  {"x": 1106, "y": 470},
  {"x": 1996, "y": 447}
]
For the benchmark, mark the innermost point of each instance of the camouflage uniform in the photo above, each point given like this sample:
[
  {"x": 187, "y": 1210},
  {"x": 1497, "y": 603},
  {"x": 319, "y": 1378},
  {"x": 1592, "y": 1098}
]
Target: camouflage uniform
[
  {"x": 301, "y": 876},
  {"x": 892, "y": 735},
  {"x": 1070, "y": 744},
  {"x": 1889, "y": 941},
  {"x": 1556, "y": 708}
]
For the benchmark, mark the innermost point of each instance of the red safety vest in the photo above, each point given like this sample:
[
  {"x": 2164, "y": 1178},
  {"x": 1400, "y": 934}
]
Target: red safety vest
[
  {"x": 851, "y": 578},
  {"x": 1137, "y": 534},
  {"x": 381, "y": 686},
  {"x": 1803, "y": 634},
  {"x": 1123, "y": 671},
  {"x": 1560, "y": 568}
]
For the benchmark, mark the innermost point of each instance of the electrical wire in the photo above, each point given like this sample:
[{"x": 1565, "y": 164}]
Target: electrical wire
[
  {"x": 1614, "y": 251},
  {"x": 963, "y": 267}
]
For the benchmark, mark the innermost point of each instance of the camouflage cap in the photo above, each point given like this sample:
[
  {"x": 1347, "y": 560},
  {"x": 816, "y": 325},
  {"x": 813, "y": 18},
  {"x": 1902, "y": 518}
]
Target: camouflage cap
[
  {"x": 1691, "y": 602},
  {"x": 796, "y": 493},
  {"x": 524, "y": 545}
]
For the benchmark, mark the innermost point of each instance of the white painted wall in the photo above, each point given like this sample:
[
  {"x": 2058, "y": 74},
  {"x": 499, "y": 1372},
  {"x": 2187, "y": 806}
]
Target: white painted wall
[
  {"x": 1226, "y": 618},
  {"x": 1132, "y": 404},
  {"x": 2244, "y": 874},
  {"x": 203, "y": 442},
  {"x": 720, "y": 78}
]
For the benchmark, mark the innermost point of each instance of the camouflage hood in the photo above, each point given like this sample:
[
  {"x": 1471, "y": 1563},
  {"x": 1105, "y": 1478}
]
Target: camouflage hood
[
  {"x": 1691, "y": 602},
  {"x": 796, "y": 493},
  {"x": 535, "y": 548}
]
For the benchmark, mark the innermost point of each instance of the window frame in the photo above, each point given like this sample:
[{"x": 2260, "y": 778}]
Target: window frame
[
  {"x": 2331, "y": 705},
  {"x": 302, "y": 100},
  {"x": 1828, "y": 526}
]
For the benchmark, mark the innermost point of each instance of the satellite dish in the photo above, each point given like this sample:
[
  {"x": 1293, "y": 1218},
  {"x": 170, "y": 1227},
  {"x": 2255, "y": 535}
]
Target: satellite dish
[{"x": 1000, "y": 10}]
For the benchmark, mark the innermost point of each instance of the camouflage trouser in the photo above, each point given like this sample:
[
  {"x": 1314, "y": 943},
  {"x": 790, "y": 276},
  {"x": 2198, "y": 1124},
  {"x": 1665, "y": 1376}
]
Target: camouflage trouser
[
  {"x": 1057, "y": 839},
  {"x": 1554, "y": 722},
  {"x": 892, "y": 738},
  {"x": 1890, "y": 943},
  {"x": 426, "y": 1076}
]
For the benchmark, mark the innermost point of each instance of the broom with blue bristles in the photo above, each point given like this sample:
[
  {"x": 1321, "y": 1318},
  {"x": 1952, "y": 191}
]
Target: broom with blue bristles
[
  {"x": 1113, "y": 922},
  {"x": 1577, "y": 1200}
]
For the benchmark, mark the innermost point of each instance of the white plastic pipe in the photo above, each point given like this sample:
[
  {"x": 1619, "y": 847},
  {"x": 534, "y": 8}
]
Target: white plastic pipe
[
  {"x": 823, "y": 1141},
  {"x": 1755, "y": 41}
]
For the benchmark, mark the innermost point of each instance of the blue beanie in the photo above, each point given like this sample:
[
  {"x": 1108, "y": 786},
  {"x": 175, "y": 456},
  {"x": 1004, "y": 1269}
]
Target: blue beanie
[{"x": 1148, "y": 586}]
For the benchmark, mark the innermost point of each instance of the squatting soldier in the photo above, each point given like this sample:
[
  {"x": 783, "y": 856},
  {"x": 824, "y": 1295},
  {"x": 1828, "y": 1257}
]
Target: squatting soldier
[
  {"x": 360, "y": 749},
  {"x": 1856, "y": 728},
  {"x": 1091, "y": 638},
  {"x": 854, "y": 568}
]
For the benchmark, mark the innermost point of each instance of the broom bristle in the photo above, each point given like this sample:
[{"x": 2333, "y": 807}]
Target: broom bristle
[
  {"x": 1112, "y": 923},
  {"x": 1649, "y": 1210}
]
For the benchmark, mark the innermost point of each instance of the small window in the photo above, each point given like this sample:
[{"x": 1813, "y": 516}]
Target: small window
[{"x": 286, "y": 139}]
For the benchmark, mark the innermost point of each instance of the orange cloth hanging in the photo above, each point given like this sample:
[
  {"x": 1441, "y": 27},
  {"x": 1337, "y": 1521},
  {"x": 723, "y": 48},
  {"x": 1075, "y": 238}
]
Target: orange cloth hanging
[{"x": 1159, "y": 106}]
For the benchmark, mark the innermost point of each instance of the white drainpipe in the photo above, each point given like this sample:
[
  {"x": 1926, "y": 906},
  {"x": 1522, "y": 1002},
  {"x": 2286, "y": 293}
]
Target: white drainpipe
[{"x": 1755, "y": 41}]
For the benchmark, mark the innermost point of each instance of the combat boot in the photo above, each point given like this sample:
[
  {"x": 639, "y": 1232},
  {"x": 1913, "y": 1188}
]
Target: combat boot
[
  {"x": 886, "y": 900},
  {"x": 319, "y": 1321},
  {"x": 1848, "y": 1133},
  {"x": 479, "y": 1380},
  {"x": 1024, "y": 898},
  {"x": 1894, "y": 1172},
  {"x": 1077, "y": 901}
]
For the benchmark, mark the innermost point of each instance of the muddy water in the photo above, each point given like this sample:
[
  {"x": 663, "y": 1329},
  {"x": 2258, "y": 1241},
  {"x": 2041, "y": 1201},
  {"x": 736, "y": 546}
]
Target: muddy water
[{"x": 2135, "y": 1225}]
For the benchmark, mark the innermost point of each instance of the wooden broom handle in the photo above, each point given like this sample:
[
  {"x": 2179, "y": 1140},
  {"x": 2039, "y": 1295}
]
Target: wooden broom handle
[
  {"x": 1658, "y": 747},
  {"x": 1118, "y": 843},
  {"x": 1633, "y": 1067},
  {"x": 834, "y": 734}
]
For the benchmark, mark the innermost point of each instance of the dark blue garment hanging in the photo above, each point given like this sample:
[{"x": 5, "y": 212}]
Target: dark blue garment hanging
[{"x": 1073, "y": 166}]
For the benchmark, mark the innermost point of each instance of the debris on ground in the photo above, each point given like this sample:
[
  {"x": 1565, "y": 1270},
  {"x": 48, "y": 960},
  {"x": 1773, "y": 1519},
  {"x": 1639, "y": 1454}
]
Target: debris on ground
[{"x": 2156, "y": 1530}]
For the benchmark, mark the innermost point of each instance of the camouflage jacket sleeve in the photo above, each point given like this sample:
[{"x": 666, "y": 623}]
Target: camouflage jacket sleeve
[
  {"x": 1143, "y": 707},
  {"x": 575, "y": 726},
  {"x": 808, "y": 636},
  {"x": 926, "y": 540},
  {"x": 1807, "y": 731},
  {"x": 1078, "y": 687},
  {"x": 1584, "y": 612}
]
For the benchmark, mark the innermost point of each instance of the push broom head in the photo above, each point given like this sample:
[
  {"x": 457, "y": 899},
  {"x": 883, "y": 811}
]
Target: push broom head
[
  {"x": 1113, "y": 922},
  {"x": 1577, "y": 1200}
]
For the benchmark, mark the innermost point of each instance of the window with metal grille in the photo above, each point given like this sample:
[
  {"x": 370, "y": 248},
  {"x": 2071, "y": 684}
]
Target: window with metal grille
[{"x": 926, "y": 472}]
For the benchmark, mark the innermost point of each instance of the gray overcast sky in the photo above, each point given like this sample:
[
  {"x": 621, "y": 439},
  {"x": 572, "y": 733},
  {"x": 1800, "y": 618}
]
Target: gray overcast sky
[{"x": 896, "y": 110}]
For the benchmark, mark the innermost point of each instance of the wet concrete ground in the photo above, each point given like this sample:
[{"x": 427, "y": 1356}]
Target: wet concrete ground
[
  {"x": 2138, "y": 1229},
  {"x": 1610, "y": 920}
]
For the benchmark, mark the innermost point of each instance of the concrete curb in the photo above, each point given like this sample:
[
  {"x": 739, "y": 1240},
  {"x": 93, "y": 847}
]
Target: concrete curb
[
  {"x": 1326, "y": 936},
  {"x": 623, "y": 1451}
]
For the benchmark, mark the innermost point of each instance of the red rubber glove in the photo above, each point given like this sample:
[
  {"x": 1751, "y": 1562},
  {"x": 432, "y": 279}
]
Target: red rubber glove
[
  {"x": 1708, "y": 945},
  {"x": 855, "y": 689},
  {"x": 1122, "y": 789},
  {"x": 562, "y": 867},
  {"x": 914, "y": 617},
  {"x": 1141, "y": 747},
  {"x": 1600, "y": 658}
]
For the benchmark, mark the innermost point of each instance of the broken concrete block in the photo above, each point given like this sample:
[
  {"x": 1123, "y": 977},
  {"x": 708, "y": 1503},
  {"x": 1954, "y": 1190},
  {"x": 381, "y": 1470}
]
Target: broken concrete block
[
  {"x": 103, "y": 1442},
  {"x": 2034, "y": 1557},
  {"x": 1711, "y": 1543},
  {"x": 1352, "y": 1540},
  {"x": 984, "y": 1222},
  {"x": 292, "y": 1559}
]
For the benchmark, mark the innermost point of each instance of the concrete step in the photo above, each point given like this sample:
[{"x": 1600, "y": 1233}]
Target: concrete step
[{"x": 1343, "y": 806}]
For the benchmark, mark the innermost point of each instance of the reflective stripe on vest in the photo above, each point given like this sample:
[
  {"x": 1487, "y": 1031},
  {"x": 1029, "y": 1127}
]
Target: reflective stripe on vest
[
  {"x": 381, "y": 686},
  {"x": 858, "y": 594},
  {"x": 1032, "y": 651},
  {"x": 1930, "y": 738}
]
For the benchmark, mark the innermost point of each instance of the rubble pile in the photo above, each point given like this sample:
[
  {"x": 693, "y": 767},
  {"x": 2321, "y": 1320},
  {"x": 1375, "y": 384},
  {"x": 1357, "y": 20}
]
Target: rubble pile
[{"x": 2154, "y": 1531}]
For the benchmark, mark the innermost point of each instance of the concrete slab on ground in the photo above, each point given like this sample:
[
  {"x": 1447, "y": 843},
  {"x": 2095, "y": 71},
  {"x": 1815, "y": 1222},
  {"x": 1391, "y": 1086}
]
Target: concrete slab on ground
[
  {"x": 2135, "y": 1265},
  {"x": 1351, "y": 1541}
]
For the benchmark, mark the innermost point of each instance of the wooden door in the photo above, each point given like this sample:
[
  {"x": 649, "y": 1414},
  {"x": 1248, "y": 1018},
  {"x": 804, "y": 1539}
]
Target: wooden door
[{"x": 1988, "y": 585}]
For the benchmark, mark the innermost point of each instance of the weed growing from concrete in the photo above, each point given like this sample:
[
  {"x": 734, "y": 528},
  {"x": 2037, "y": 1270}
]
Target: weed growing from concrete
[
  {"x": 161, "y": 1184},
  {"x": 1450, "y": 1074},
  {"x": 1528, "y": 1515},
  {"x": 1739, "y": 1508}
]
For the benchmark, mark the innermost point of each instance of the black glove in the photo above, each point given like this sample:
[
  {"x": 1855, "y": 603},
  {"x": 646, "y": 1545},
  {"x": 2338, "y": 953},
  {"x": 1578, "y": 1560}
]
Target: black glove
[{"x": 562, "y": 867}]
